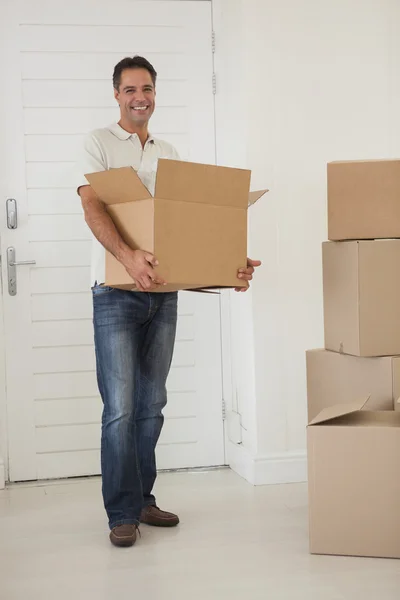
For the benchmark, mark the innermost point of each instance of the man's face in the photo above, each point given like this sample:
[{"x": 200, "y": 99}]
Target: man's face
[{"x": 136, "y": 96}]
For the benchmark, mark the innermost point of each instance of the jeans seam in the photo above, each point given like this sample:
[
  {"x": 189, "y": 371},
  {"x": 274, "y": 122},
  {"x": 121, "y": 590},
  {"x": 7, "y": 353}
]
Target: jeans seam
[
  {"x": 150, "y": 306},
  {"x": 124, "y": 522}
]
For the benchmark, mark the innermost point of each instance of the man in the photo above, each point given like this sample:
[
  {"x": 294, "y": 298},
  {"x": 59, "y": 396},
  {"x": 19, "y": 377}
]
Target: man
[{"x": 134, "y": 331}]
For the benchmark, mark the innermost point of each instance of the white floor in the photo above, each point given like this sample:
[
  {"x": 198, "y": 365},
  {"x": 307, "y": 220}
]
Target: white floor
[{"x": 234, "y": 542}]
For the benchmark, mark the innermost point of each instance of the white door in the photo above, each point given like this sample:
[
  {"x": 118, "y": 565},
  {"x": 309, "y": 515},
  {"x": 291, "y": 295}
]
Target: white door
[{"x": 56, "y": 79}]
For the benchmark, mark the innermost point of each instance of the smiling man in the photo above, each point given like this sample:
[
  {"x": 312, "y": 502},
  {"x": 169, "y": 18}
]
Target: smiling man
[{"x": 134, "y": 331}]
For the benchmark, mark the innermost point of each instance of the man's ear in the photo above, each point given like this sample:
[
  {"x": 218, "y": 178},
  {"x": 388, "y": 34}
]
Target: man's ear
[{"x": 116, "y": 95}]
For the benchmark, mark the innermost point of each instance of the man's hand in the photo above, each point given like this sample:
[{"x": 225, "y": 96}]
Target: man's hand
[
  {"x": 140, "y": 266},
  {"x": 247, "y": 273}
]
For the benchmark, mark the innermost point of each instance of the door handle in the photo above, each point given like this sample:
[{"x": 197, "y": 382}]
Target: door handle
[
  {"x": 22, "y": 262},
  {"x": 12, "y": 271}
]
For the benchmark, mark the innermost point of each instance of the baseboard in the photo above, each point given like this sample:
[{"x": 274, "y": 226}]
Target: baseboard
[
  {"x": 290, "y": 467},
  {"x": 241, "y": 461},
  {"x": 2, "y": 475}
]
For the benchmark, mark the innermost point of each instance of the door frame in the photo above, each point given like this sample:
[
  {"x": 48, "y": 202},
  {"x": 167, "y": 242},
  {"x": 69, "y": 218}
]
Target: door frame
[
  {"x": 3, "y": 399},
  {"x": 4, "y": 454},
  {"x": 230, "y": 149}
]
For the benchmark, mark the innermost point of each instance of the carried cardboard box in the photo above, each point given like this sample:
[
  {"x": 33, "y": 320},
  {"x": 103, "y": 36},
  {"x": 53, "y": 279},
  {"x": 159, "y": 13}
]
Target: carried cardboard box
[
  {"x": 354, "y": 482},
  {"x": 361, "y": 284},
  {"x": 364, "y": 199},
  {"x": 334, "y": 378},
  {"x": 195, "y": 225}
]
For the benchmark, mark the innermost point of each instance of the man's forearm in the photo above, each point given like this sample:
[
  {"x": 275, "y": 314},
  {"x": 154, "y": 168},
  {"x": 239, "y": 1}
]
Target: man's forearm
[{"x": 101, "y": 224}]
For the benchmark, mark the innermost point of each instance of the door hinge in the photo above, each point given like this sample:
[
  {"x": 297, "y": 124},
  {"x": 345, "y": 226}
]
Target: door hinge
[
  {"x": 213, "y": 42},
  {"x": 223, "y": 409},
  {"x": 214, "y": 83}
]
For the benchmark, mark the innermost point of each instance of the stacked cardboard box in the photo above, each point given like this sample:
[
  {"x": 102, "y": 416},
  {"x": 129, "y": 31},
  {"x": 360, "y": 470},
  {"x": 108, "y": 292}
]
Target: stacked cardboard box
[{"x": 353, "y": 384}]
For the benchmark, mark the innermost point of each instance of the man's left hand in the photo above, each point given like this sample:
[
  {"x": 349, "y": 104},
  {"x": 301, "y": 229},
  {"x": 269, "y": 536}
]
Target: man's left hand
[{"x": 247, "y": 273}]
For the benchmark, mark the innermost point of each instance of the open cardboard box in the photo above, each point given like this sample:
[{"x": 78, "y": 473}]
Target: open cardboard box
[
  {"x": 195, "y": 225},
  {"x": 336, "y": 378},
  {"x": 354, "y": 481}
]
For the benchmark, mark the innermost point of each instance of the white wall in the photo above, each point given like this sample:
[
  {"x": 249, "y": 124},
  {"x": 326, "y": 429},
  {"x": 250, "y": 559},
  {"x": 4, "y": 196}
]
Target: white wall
[{"x": 301, "y": 83}]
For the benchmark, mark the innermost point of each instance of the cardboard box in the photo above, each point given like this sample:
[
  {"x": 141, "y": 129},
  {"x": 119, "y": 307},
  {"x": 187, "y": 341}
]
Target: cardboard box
[
  {"x": 354, "y": 482},
  {"x": 362, "y": 297},
  {"x": 196, "y": 224},
  {"x": 364, "y": 199},
  {"x": 334, "y": 378}
]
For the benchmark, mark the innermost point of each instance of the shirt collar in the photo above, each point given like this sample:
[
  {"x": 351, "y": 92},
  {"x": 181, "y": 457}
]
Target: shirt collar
[{"x": 122, "y": 134}]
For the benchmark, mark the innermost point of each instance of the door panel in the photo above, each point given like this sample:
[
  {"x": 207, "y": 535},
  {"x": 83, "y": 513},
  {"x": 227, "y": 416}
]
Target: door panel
[{"x": 60, "y": 58}]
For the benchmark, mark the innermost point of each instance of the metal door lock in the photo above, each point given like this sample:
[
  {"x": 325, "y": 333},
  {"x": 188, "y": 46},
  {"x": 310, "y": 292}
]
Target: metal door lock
[{"x": 12, "y": 219}]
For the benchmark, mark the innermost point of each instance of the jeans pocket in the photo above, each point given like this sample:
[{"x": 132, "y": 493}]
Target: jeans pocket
[{"x": 99, "y": 290}]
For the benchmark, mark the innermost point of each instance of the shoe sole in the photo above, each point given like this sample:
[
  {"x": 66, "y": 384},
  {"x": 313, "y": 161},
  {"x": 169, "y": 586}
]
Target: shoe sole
[{"x": 122, "y": 542}]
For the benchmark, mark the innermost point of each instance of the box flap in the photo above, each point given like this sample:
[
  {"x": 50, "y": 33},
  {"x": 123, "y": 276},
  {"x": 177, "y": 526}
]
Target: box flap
[
  {"x": 254, "y": 196},
  {"x": 204, "y": 184},
  {"x": 117, "y": 186},
  {"x": 339, "y": 410}
]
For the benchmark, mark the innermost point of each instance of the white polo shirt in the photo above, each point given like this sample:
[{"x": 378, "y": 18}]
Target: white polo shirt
[{"x": 111, "y": 148}]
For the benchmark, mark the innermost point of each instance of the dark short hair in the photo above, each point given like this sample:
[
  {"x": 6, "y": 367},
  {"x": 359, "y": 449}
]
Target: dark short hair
[{"x": 135, "y": 62}]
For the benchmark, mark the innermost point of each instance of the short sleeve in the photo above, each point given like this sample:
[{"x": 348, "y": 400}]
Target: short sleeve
[
  {"x": 91, "y": 160},
  {"x": 175, "y": 153}
]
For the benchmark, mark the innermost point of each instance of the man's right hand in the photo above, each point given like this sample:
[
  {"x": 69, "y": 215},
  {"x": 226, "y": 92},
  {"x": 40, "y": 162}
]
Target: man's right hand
[{"x": 140, "y": 266}]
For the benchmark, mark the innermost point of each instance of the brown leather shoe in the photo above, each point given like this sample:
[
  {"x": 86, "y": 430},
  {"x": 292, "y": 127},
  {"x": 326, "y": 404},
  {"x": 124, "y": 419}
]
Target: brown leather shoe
[
  {"x": 152, "y": 515},
  {"x": 124, "y": 535}
]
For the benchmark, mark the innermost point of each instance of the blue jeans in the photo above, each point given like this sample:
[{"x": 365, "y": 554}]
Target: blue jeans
[{"x": 134, "y": 341}]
